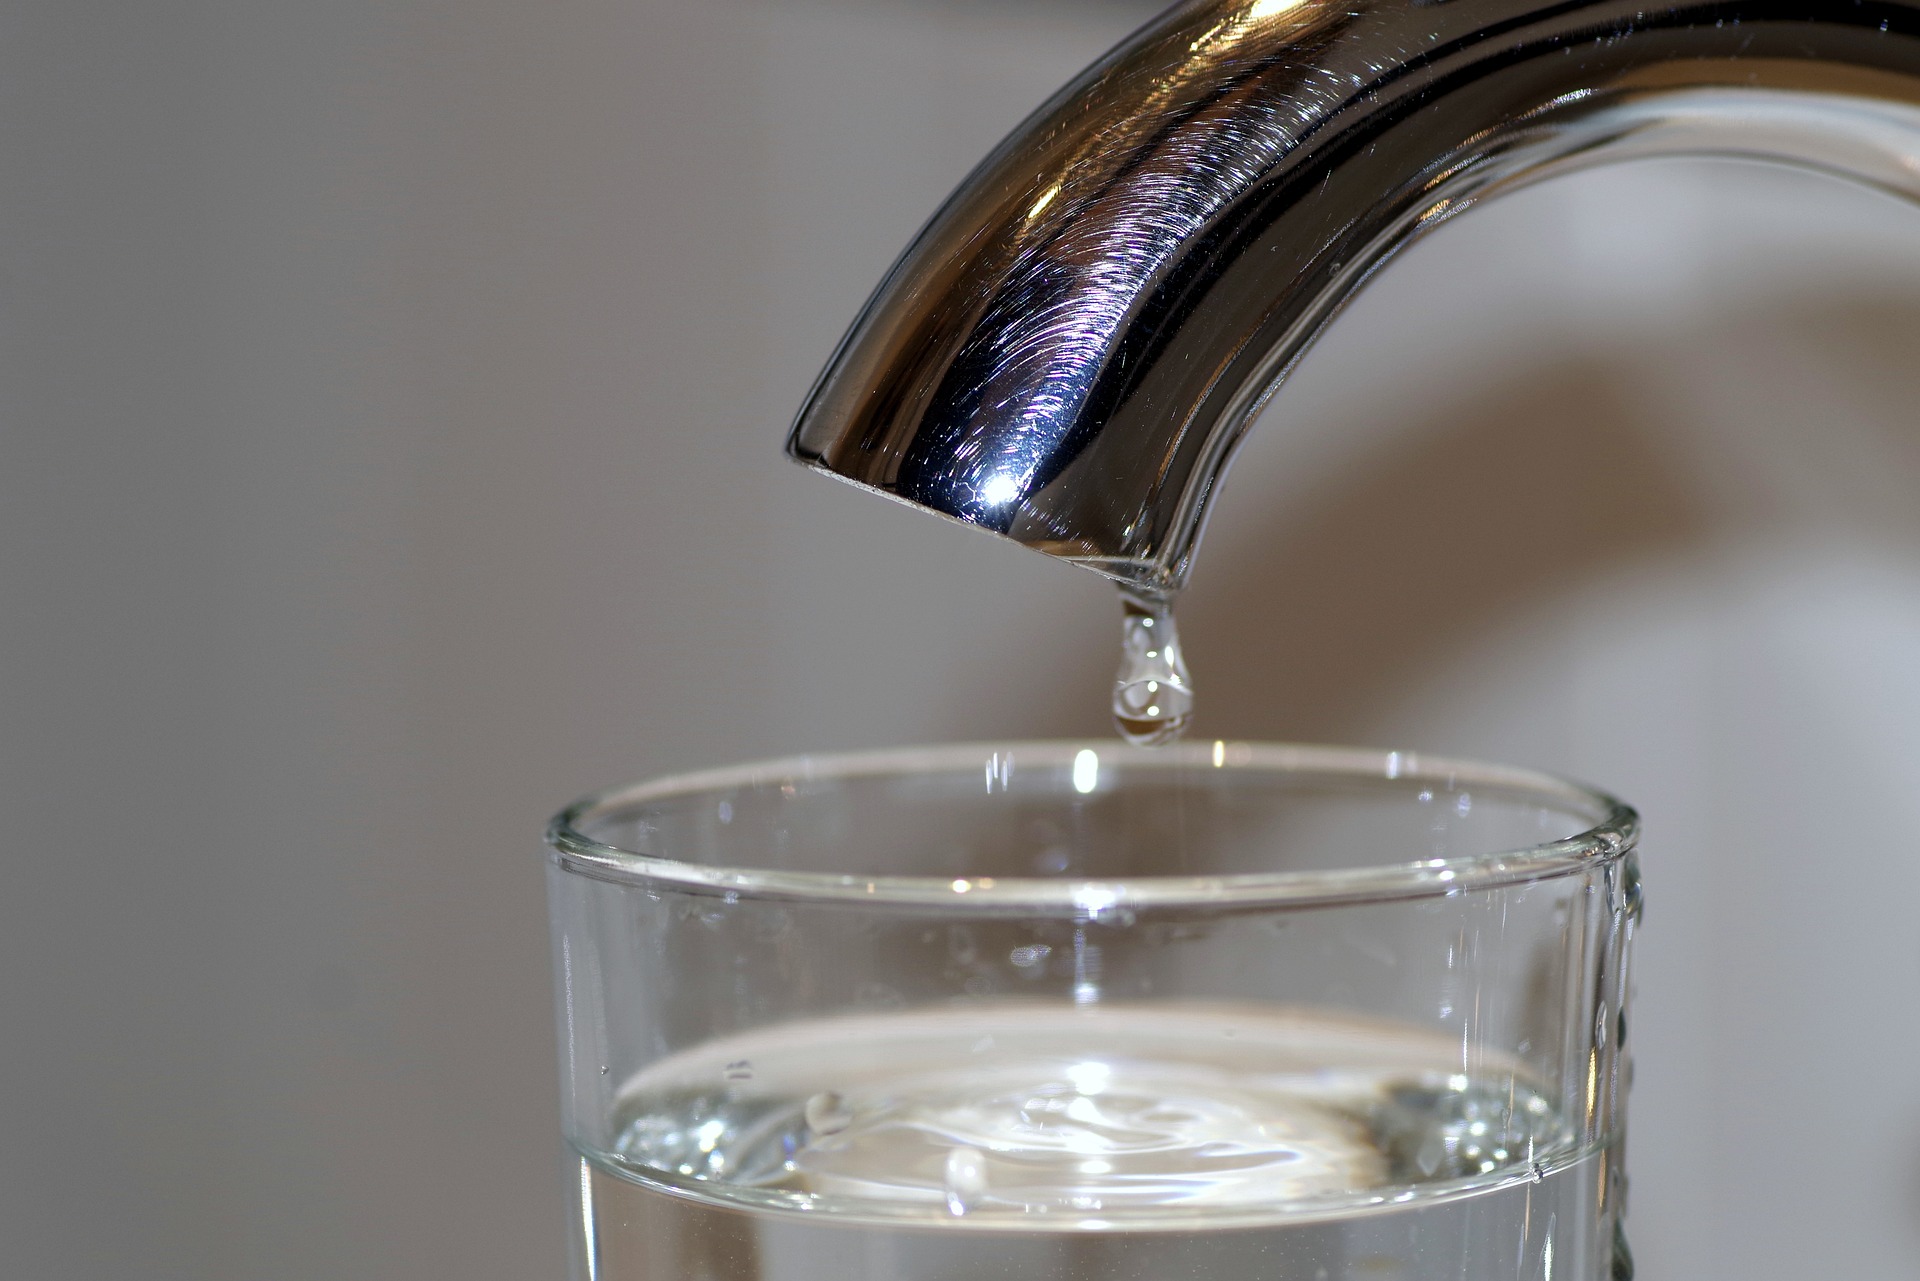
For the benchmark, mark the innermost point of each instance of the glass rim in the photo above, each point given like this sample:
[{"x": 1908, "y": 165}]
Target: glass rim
[{"x": 1614, "y": 835}]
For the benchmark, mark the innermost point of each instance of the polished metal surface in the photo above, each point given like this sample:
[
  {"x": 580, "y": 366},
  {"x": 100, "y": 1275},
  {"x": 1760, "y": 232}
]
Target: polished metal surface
[{"x": 1070, "y": 350}]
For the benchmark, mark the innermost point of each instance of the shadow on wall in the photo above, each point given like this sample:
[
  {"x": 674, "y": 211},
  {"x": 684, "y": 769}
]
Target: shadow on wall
[{"x": 1461, "y": 519}]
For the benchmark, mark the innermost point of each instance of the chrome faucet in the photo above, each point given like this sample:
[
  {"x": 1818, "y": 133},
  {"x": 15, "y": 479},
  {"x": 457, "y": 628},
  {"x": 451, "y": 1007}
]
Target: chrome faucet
[{"x": 1070, "y": 350}]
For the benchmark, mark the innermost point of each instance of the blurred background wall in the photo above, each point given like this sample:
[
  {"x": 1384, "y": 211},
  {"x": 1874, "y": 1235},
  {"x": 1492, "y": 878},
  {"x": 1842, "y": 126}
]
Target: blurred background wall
[{"x": 391, "y": 395}]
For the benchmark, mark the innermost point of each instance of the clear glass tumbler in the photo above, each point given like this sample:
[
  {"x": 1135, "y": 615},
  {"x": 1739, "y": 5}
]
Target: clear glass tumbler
[{"x": 1048, "y": 1011}]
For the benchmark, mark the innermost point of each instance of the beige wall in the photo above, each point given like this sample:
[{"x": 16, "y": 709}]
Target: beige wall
[{"x": 392, "y": 396}]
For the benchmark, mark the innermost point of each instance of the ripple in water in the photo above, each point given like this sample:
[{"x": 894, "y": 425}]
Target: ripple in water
[{"x": 1082, "y": 1113}]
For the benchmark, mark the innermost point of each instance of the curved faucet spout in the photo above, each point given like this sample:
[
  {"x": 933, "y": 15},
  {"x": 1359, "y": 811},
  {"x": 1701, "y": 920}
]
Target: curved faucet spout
[{"x": 1070, "y": 350}]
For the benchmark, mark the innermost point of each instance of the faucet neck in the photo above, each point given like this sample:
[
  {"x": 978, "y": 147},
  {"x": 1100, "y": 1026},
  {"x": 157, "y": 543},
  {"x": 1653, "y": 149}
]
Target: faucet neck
[{"x": 1069, "y": 352}]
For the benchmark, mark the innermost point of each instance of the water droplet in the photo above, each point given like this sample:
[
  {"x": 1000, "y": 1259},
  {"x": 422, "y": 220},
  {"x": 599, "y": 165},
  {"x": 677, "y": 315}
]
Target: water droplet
[
  {"x": 828, "y": 1113},
  {"x": 966, "y": 1178},
  {"x": 1633, "y": 896},
  {"x": 1152, "y": 693}
]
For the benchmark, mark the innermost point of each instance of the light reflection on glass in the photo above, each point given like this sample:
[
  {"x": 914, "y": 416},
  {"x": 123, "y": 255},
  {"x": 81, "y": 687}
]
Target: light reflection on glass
[
  {"x": 1090, "y": 1077},
  {"x": 1086, "y": 771}
]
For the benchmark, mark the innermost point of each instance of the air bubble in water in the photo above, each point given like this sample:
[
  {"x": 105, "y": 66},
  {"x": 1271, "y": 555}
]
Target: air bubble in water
[
  {"x": 1030, "y": 955},
  {"x": 1152, "y": 694},
  {"x": 966, "y": 1178},
  {"x": 828, "y": 1113}
]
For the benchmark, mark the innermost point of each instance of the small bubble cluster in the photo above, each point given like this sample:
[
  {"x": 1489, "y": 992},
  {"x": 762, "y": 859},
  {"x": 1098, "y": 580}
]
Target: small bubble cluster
[{"x": 1465, "y": 1129}]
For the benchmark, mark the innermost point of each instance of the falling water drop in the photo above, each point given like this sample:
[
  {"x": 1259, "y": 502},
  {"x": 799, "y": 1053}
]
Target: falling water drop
[{"x": 1152, "y": 695}]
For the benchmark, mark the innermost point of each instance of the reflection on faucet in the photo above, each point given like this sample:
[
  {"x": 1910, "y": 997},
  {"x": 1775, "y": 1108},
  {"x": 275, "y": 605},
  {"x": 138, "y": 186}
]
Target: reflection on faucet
[{"x": 1069, "y": 352}]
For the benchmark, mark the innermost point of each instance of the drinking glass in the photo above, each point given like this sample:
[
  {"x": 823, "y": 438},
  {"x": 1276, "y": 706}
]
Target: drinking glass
[{"x": 1058, "y": 1011}]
